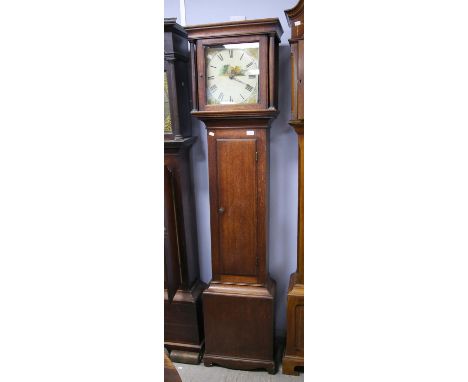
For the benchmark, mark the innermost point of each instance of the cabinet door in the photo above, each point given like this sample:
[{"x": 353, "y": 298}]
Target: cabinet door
[
  {"x": 236, "y": 172},
  {"x": 293, "y": 61},
  {"x": 300, "y": 79},
  {"x": 171, "y": 248},
  {"x": 297, "y": 80}
]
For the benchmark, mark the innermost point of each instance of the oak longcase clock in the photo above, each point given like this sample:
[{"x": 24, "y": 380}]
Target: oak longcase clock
[
  {"x": 183, "y": 318},
  {"x": 294, "y": 350},
  {"x": 234, "y": 82}
]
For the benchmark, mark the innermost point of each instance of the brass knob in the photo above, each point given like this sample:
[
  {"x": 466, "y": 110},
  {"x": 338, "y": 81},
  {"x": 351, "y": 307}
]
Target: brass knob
[{"x": 221, "y": 210}]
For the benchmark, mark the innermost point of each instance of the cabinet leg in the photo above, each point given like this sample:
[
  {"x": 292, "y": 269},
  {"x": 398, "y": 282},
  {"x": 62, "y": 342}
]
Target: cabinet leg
[
  {"x": 185, "y": 357},
  {"x": 289, "y": 366}
]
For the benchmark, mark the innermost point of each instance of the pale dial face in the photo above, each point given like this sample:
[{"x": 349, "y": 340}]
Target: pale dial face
[{"x": 232, "y": 73}]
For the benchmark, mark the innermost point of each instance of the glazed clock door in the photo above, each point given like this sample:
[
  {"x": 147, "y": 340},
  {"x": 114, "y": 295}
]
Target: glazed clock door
[
  {"x": 234, "y": 75},
  {"x": 236, "y": 173}
]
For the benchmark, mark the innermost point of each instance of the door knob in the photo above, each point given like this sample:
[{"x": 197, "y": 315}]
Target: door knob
[{"x": 221, "y": 210}]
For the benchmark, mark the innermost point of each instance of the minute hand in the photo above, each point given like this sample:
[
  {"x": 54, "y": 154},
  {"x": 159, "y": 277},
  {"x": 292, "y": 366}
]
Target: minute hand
[{"x": 242, "y": 82}]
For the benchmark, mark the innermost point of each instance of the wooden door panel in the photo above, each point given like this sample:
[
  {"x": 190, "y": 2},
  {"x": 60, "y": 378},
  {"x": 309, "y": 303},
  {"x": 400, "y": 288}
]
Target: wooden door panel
[
  {"x": 171, "y": 250},
  {"x": 299, "y": 326},
  {"x": 300, "y": 79},
  {"x": 237, "y": 210},
  {"x": 293, "y": 81}
]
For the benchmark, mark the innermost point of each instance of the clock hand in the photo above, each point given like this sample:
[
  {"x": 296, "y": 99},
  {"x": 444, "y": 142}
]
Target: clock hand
[{"x": 235, "y": 79}]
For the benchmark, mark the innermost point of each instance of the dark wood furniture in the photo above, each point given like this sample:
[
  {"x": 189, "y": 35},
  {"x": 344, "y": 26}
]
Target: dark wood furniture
[
  {"x": 183, "y": 319},
  {"x": 237, "y": 102},
  {"x": 176, "y": 74},
  {"x": 294, "y": 351}
]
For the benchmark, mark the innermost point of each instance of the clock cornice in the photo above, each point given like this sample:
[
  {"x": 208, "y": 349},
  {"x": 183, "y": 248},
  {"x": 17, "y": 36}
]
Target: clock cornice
[
  {"x": 294, "y": 13},
  {"x": 270, "y": 26}
]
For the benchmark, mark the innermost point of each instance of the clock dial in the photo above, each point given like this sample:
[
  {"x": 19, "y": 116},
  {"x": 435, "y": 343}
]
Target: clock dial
[
  {"x": 232, "y": 73},
  {"x": 167, "y": 111}
]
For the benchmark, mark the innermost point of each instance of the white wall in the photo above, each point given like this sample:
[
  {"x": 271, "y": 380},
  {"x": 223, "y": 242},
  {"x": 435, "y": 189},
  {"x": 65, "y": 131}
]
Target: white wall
[{"x": 283, "y": 149}]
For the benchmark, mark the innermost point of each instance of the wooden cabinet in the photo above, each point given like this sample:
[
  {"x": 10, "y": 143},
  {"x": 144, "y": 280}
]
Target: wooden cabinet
[
  {"x": 235, "y": 88},
  {"x": 183, "y": 318},
  {"x": 294, "y": 352}
]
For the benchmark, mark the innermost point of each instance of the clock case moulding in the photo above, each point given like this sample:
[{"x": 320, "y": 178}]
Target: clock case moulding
[
  {"x": 183, "y": 316},
  {"x": 239, "y": 305}
]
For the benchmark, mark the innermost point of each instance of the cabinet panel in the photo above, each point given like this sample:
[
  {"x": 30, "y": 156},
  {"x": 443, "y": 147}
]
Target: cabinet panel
[
  {"x": 239, "y": 341},
  {"x": 237, "y": 210},
  {"x": 171, "y": 249},
  {"x": 300, "y": 79},
  {"x": 299, "y": 326},
  {"x": 293, "y": 61}
]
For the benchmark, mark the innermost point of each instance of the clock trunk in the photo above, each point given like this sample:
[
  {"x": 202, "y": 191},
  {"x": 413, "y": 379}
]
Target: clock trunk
[{"x": 239, "y": 303}]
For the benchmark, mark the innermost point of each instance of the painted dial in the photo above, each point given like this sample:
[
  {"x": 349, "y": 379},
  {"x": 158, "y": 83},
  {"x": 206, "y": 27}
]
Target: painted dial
[{"x": 232, "y": 73}]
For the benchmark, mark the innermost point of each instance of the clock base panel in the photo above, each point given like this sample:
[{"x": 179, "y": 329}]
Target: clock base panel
[{"x": 239, "y": 325}]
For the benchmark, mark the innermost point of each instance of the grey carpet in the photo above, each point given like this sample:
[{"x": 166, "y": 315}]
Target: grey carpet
[{"x": 201, "y": 373}]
